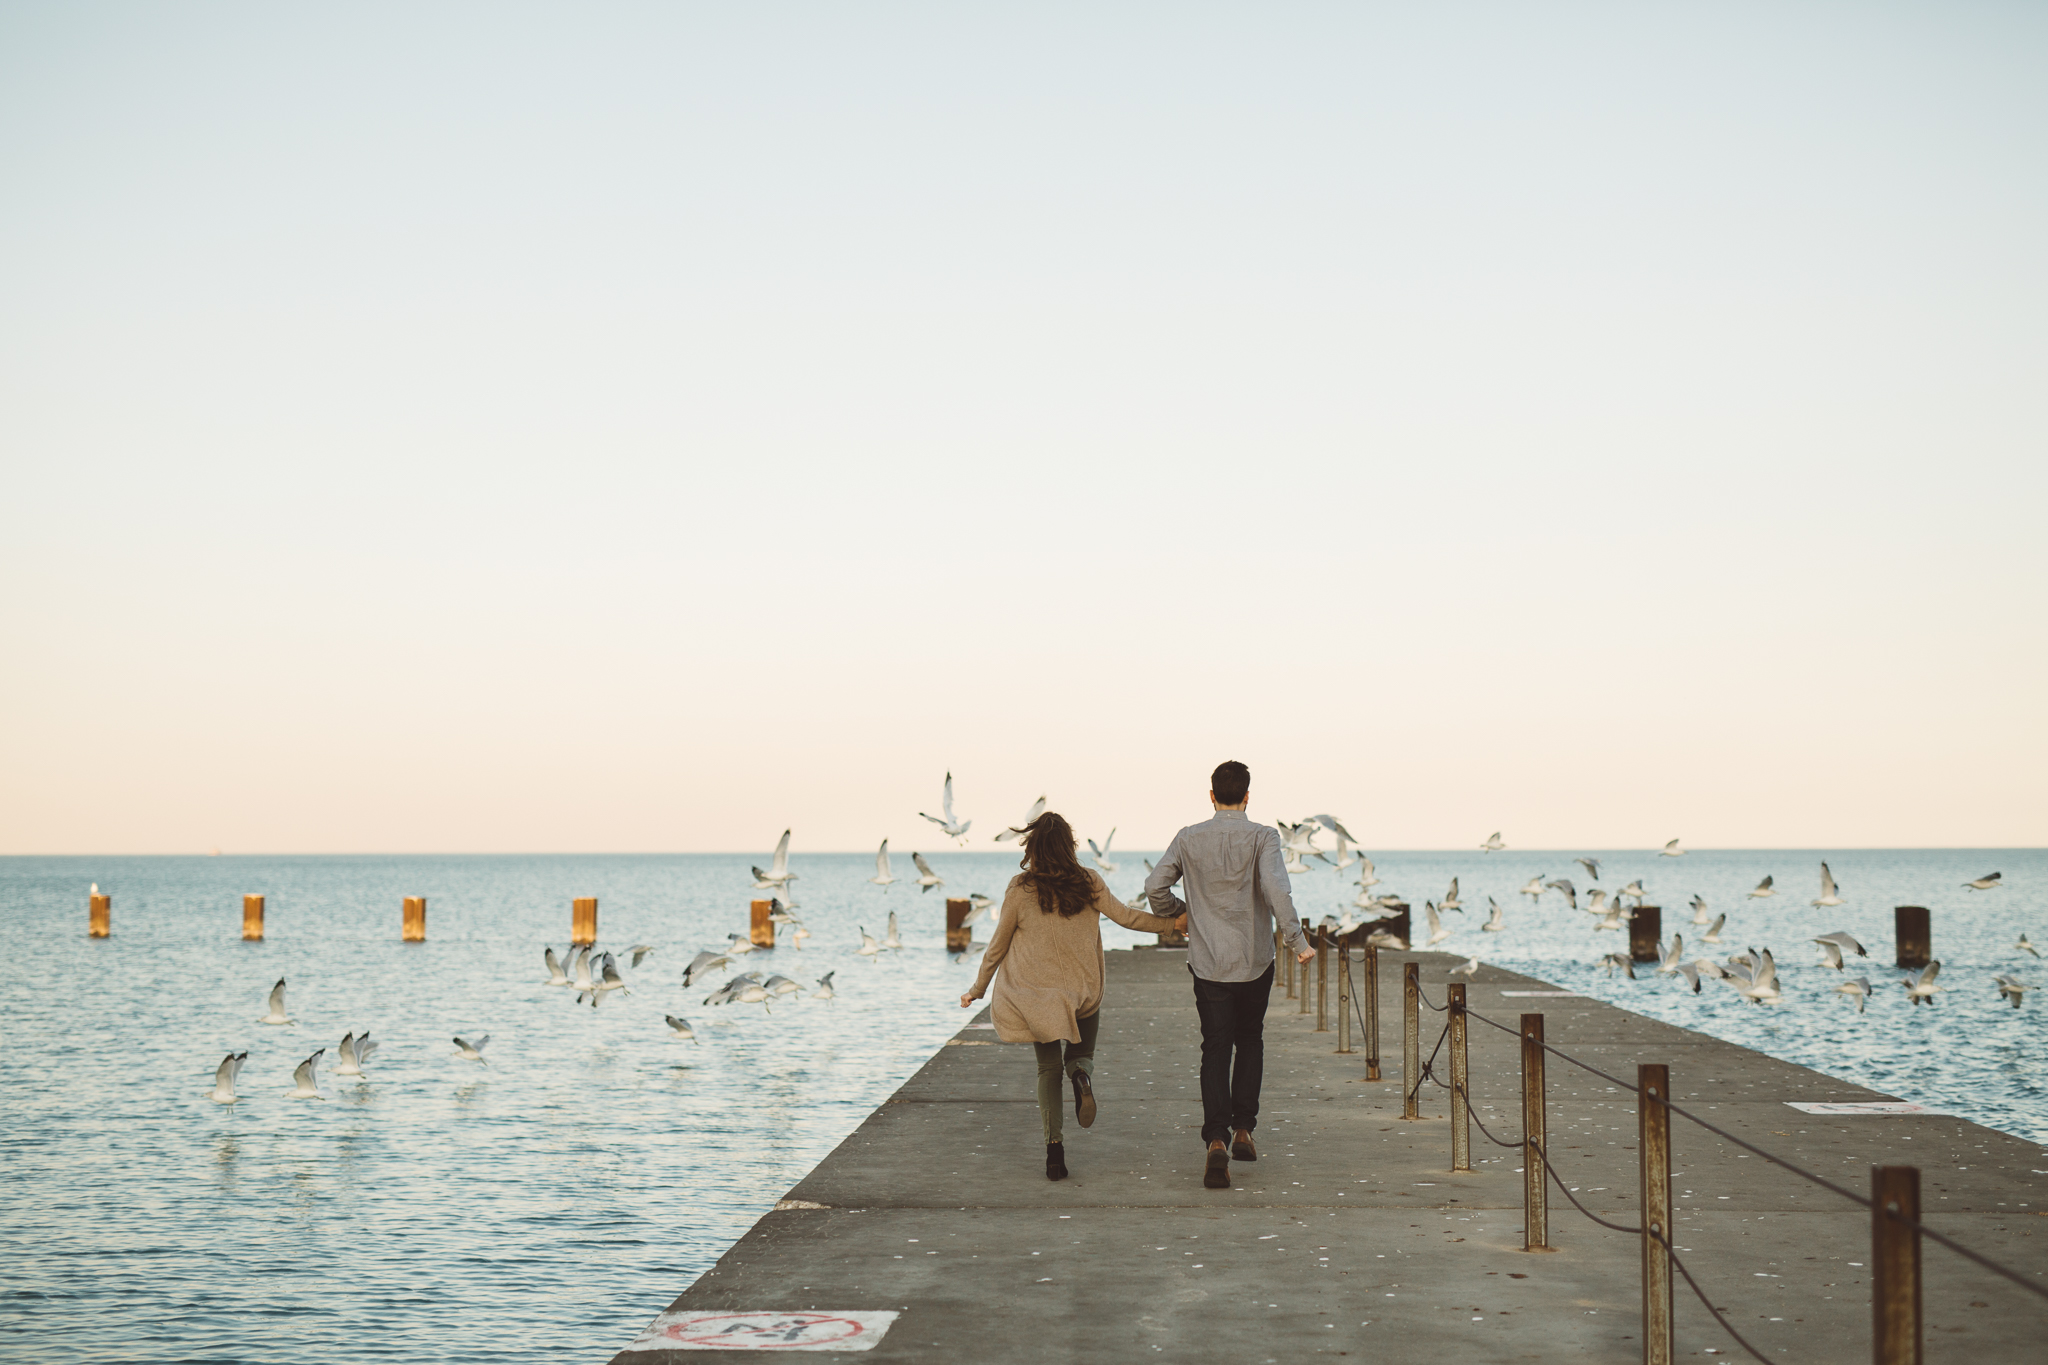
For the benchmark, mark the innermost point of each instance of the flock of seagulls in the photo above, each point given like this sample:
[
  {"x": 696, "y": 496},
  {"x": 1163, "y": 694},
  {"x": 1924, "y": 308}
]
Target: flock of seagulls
[{"x": 354, "y": 1051}]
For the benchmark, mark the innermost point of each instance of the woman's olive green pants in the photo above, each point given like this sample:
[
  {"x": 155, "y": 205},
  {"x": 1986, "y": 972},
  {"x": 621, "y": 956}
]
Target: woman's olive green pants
[{"x": 1052, "y": 1075}]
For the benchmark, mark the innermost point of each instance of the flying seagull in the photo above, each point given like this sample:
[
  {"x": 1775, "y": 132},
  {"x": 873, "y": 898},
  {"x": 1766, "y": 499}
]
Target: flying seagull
[
  {"x": 472, "y": 1051},
  {"x": 556, "y": 976},
  {"x": 926, "y": 878},
  {"x": 1844, "y": 942},
  {"x": 277, "y": 1014},
  {"x": 1015, "y": 831},
  {"x": 778, "y": 874},
  {"x": 1989, "y": 882},
  {"x": 1671, "y": 850},
  {"x": 884, "y": 875},
  {"x": 1563, "y": 884},
  {"x": 1763, "y": 888},
  {"x": 1335, "y": 826},
  {"x": 223, "y": 1091},
  {"x": 1366, "y": 876},
  {"x": 824, "y": 991},
  {"x": 892, "y": 939},
  {"x": 1499, "y": 920},
  {"x": 1471, "y": 968},
  {"x": 1492, "y": 844},
  {"x": 2025, "y": 946},
  {"x": 1713, "y": 934},
  {"x": 1921, "y": 990},
  {"x": 955, "y": 829},
  {"x": 1699, "y": 910},
  {"x": 641, "y": 952},
  {"x": 1614, "y": 962},
  {"x": 977, "y": 906},
  {"x": 1592, "y": 866},
  {"x": 306, "y": 1079},
  {"x": 1762, "y": 988},
  {"x": 868, "y": 947},
  {"x": 1100, "y": 856},
  {"x": 1828, "y": 894},
  {"x": 354, "y": 1051},
  {"x": 680, "y": 1030},
  {"x": 1533, "y": 888},
  {"x": 1668, "y": 964},
  {"x": 702, "y": 963},
  {"x": 1451, "y": 901},
  {"x": 2010, "y": 988},
  {"x": 1437, "y": 932},
  {"x": 1857, "y": 988}
]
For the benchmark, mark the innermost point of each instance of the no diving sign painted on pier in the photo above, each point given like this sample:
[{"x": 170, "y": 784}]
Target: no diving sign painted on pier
[{"x": 856, "y": 1331}]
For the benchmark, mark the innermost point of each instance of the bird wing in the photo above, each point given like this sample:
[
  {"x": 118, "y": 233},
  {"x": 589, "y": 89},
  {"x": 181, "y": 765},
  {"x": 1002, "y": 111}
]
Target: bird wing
[
  {"x": 1933, "y": 970},
  {"x": 780, "y": 864},
  {"x": 1827, "y": 883},
  {"x": 1336, "y": 827},
  {"x": 923, "y": 867},
  {"x": 277, "y": 997},
  {"x": 882, "y": 860},
  {"x": 1690, "y": 973},
  {"x": 1719, "y": 920},
  {"x": 224, "y": 1077},
  {"x": 1435, "y": 920},
  {"x": 946, "y": 802},
  {"x": 306, "y": 1072}
]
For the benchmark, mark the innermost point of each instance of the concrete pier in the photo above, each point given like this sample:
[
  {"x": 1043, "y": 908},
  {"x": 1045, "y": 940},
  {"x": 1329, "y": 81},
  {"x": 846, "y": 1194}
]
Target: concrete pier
[{"x": 1351, "y": 1235}]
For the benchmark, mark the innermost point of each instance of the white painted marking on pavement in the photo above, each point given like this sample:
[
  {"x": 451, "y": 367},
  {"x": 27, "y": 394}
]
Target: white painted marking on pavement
[{"x": 851, "y": 1331}]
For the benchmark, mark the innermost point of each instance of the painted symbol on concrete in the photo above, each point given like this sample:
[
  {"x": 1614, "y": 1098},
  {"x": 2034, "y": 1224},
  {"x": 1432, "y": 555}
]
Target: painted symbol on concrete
[
  {"x": 1871, "y": 1107},
  {"x": 809, "y": 1331}
]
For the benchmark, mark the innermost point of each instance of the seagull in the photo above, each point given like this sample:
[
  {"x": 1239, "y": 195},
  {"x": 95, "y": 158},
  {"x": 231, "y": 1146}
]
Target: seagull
[
  {"x": 1671, "y": 850},
  {"x": 1492, "y": 844},
  {"x": 223, "y": 1091},
  {"x": 1762, "y": 988},
  {"x": 1763, "y": 888},
  {"x": 778, "y": 984},
  {"x": 1533, "y": 888},
  {"x": 955, "y": 829},
  {"x": 1366, "y": 875},
  {"x": 1668, "y": 964},
  {"x": 680, "y": 1030},
  {"x": 1713, "y": 934},
  {"x": 978, "y": 905},
  {"x": 1691, "y": 972},
  {"x": 94, "y": 892},
  {"x": 2026, "y": 947},
  {"x": 641, "y": 952},
  {"x": 1571, "y": 893},
  {"x": 798, "y": 935},
  {"x": 609, "y": 980},
  {"x": 1299, "y": 839},
  {"x": 1827, "y": 888},
  {"x": 926, "y": 878},
  {"x": 277, "y": 1014},
  {"x": 1334, "y": 825},
  {"x": 556, "y": 976},
  {"x": 1843, "y": 943},
  {"x": 778, "y": 874},
  {"x": 738, "y": 945},
  {"x": 730, "y": 991},
  {"x": 579, "y": 967},
  {"x": 1451, "y": 901},
  {"x": 1596, "y": 902},
  {"x": 472, "y": 1051},
  {"x": 2010, "y": 988},
  {"x": 868, "y": 946},
  {"x": 892, "y": 939},
  {"x": 1634, "y": 888},
  {"x": 1100, "y": 856},
  {"x": 354, "y": 1052},
  {"x": 1856, "y": 988},
  {"x": 1437, "y": 932},
  {"x": 1471, "y": 968},
  {"x": 1833, "y": 952},
  {"x": 1016, "y": 830},
  {"x": 1921, "y": 990},
  {"x": 1343, "y": 858},
  {"x": 306, "y": 1079},
  {"x": 1706, "y": 966},
  {"x": 1592, "y": 866},
  {"x": 1615, "y": 918},
  {"x": 1381, "y": 938},
  {"x": 1619, "y": 962},
  {"x": 824, "y": 991},
  {"x": 1499, "y": 920},
  {"x": 754, "y": 993},
  {"x": 884, "y": 876},
  {"x": 1990, "y": 882},
  {"x": 1699, "y": 910},
  {"x": 702, "y": 963}
]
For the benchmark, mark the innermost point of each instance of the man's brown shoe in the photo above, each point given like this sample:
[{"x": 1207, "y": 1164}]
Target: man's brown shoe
[
  {"x": 1241, "y": 1148},
  {"x": 1216, "y": 1172}
]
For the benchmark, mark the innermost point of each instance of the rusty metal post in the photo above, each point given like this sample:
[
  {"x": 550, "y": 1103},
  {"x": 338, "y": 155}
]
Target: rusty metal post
[
  {"x": 760, "y": 928},
  {"x": 1411, "y": 1040},
  {"x": 583, "y": 920},
  {"x": 1372, "y": 1012},
  {"x": 1535, "y": 1140},
  {"x": 1914, "y": 934},
  {"x": 1344, "y": 993},
  {"x": 1461, "y": 1082},
  {"x": 99, "y": 917},
  {"x": 1302, "y": 1008},
  {"x": 1288, "y": 953},
  {"x": 412, "y": 926},
  {"x": 252, "y": 919},
  {"x": 1646, "y": 933},
  {"x": 1653, "y": 1143},
  {"x": 959, "y": 936},
  {"x": 1895, "y": 1265},
  {"x": 1322, "y": 981}
]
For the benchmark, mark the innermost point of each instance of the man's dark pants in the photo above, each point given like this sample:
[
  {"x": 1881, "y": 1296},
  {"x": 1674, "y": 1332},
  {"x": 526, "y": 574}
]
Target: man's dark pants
[{"x": 1233, "y": 1015}]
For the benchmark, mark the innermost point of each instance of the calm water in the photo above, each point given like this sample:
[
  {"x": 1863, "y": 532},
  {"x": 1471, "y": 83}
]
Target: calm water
[{"x": 545, "y": 1206}]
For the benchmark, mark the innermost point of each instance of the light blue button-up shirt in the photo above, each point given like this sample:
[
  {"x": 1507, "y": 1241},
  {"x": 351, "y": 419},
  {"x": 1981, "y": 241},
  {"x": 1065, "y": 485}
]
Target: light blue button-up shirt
[{"x": 1236, "y": 878}]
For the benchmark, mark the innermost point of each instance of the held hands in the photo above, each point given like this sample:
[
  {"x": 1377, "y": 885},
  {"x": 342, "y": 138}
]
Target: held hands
[
  {"x": 967, "y": 1001},
  {"x": 1305, "y": 955}
]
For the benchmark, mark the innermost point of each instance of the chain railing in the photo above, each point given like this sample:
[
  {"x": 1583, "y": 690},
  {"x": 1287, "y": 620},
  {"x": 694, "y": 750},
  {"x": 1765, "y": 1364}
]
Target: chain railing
[{"x": 1894, "y": 1201}]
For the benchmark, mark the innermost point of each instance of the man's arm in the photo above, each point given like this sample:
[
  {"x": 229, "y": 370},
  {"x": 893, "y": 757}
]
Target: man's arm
[
  {"x": 1273, "y": 885},
  {"x": 1165, "y": 873}
]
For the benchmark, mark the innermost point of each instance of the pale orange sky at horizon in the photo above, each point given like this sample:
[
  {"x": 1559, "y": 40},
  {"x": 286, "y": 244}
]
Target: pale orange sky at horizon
[{"x": 646, "y": 428}]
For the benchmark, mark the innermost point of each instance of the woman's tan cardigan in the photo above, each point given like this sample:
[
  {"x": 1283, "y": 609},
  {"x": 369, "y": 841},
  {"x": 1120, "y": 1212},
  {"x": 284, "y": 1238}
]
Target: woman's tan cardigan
[{"x": 1051, "y": 964}]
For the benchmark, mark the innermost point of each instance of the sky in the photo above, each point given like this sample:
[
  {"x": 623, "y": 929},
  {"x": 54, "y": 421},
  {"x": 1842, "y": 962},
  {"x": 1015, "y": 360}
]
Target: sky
[{"x": 643, "y": 427}]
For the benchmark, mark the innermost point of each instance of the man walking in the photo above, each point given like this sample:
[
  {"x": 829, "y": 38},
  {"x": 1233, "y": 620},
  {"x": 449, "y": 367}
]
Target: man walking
[{"x": 1236, "y": 887}]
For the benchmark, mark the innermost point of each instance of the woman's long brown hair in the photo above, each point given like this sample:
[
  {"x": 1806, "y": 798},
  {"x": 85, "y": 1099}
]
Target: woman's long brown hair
[{"x": 1052, "y": 870}]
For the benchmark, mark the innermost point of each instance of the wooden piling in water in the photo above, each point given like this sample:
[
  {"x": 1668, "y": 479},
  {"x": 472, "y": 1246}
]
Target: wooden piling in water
[
  {"x": 1895, "y": 1265},
  {"x": 760, "y": 927},
  {"x": 99, "y": 917},
  {"x": 252, "y": 919},
  {"x": 413, "y": 925},
  {"x": 1653, "y": 1134},
  {"x": 583, "y": 920},
  {"x": 1914, "y": 933},
  {"x": 959, "y": 935},
  {"x": 1646, "y": 933}
]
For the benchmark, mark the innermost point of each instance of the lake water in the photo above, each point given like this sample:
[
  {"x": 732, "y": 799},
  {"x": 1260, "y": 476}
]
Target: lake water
[{"x": 543, "y": 1207}]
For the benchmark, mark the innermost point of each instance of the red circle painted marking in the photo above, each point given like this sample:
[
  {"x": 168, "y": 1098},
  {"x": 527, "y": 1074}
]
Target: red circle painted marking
[{"x": 793, "y": 1329}]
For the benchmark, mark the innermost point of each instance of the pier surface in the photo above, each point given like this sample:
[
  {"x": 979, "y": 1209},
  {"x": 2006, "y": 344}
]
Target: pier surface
[{"x": 1350, "y": 1236}]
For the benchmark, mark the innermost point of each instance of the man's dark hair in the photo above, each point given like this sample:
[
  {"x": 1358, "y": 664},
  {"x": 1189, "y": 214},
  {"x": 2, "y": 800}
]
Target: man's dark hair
[{"x": 1230, "y": 782}]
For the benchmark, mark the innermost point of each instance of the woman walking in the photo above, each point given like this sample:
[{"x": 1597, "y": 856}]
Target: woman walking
[{"x": 1048, "y": 946}]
